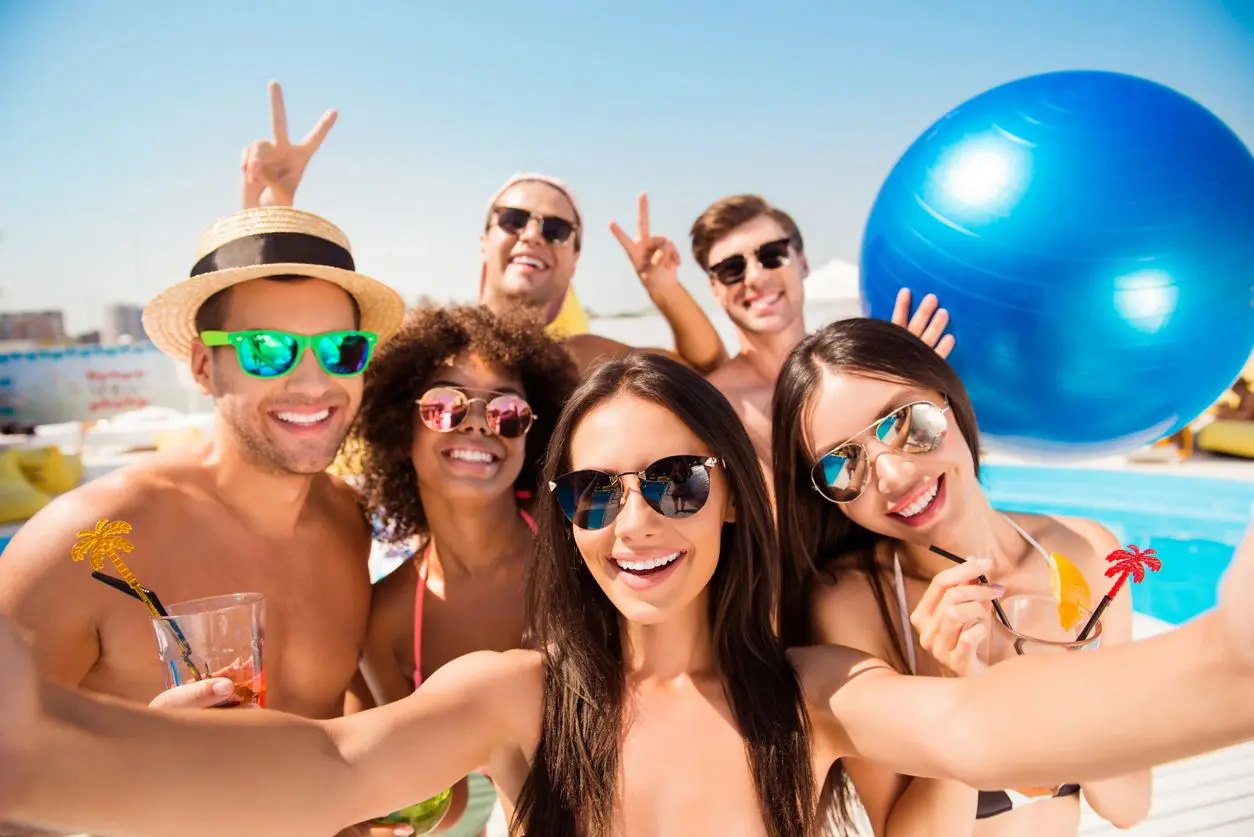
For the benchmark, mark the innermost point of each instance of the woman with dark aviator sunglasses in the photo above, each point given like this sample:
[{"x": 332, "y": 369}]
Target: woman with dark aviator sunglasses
[
  {"x": 455, "y": 417},
  {"x": 876, "y": 459},
  {"x": 660, "y": 698}
]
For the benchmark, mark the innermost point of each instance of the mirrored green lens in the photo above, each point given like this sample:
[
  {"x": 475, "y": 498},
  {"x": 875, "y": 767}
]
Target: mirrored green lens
[
  {"x": 267, "y": 354},
  {"x": 343, "y": 354}
]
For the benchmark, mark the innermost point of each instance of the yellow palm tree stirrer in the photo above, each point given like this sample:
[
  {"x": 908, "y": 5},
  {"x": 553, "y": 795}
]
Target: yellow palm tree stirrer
[{"x": 105, "y": 542}]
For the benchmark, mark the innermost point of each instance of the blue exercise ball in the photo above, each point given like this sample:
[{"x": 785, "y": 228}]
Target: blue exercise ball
[{"x": 1092, "y": 236}]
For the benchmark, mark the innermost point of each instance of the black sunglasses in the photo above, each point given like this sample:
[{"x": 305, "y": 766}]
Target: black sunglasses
[
  {"x": 513, "y": 221},
  {"x": 772, "y": 254},
  {"x": 674, "y": 486}
]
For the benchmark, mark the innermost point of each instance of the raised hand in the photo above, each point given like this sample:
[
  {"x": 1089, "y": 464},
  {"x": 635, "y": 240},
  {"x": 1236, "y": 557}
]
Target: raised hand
[
  {"x": 952, "y": 618},
  {"x": 928, "y": 323},
  {"x": 273, "y": 168},
  {"x": 654, "y": 257}
]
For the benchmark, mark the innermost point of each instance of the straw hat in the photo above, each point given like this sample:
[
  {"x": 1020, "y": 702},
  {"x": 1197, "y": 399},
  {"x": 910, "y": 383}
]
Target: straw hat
[{"x": 254, "y": 244}]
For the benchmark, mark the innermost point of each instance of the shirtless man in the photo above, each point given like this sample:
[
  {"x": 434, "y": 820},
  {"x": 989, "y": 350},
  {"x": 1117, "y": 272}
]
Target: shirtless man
[
  {"x": 252, "y": 509},
  {"x": 754, "y": 256},
  {"x": 530, "y": 246}
]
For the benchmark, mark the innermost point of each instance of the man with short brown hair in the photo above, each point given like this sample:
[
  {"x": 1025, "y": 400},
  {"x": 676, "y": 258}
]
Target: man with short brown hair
[
  {"x": 277, "y": 325},
  {"x": 754, "y": 255}
]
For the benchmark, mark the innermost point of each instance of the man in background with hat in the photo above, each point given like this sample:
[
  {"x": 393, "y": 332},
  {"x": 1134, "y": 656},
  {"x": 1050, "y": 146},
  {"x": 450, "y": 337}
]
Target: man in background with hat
[
  {"x": 277, "y": 327},
  {"x": 530, "y": 246}
]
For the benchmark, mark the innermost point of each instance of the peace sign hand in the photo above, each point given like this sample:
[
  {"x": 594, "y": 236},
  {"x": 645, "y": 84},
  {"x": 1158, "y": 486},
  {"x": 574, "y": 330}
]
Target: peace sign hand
[
  {"x": 654, "y": 257},
  {"x": 272, "y": 169}
]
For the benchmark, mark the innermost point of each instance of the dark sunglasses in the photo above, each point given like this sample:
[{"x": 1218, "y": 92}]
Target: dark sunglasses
[
  {"x": 513, "y": 221},
  {"x": 443, "y": 409},
  {"x": 772, "y": 254},
  {"x": 268, "y": 353},
  {"x": 841, "y": 474},
  {"x": 675, "y": 487}
]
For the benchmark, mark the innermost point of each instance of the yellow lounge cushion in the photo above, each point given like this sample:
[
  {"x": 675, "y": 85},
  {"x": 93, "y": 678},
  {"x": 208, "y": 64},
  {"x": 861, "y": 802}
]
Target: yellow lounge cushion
[
  {"x": 19, "y": 500},
  {"x": 1234, "y": 437},
  {"x": 49, "y": 470}
]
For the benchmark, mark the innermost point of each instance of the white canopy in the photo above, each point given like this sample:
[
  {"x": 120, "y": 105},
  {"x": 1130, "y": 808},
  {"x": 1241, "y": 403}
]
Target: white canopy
[{"x": 836, "y": 281}]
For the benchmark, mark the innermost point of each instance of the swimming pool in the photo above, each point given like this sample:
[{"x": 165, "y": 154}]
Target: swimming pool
[{"x": 1194, "y": 523}]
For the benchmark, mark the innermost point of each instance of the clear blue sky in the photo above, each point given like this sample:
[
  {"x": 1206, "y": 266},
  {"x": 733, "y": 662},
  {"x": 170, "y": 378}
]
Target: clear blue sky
[{"x": 121, "y": 121}]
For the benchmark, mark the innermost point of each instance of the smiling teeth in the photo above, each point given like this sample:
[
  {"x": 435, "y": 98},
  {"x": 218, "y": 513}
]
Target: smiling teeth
[
  {"x": 765, "y": 301},
  {"x": 476, "y": 456},
  {"x": 651, "y": 564},
  {"x": 920, "y": 504},
  {"x": 530, "y": 262},
  {"x": 303, "y": 418}
]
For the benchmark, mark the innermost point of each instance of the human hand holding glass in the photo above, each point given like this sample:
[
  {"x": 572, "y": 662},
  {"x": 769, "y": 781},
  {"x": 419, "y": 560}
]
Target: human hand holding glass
[{"x": 227, "y": 636}]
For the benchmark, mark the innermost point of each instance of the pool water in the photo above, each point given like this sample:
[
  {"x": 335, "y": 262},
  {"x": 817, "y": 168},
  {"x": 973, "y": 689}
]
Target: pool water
[{"x": 1194, "y": 523}]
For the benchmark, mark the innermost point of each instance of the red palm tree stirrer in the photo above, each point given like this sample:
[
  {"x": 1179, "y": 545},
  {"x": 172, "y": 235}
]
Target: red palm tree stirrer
[{"x": 1131, "y": 562}]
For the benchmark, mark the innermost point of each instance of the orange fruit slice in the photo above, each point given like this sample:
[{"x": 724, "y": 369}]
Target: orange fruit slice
[{"x": 1070, "y": 590}]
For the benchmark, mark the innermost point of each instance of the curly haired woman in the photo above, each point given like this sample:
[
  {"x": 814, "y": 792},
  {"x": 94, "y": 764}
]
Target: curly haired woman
[{"x": 457, "y": 411}]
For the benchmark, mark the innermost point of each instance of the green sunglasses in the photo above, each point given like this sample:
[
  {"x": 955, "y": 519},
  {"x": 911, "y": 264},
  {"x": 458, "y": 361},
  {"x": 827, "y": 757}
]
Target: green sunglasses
[{"x": 267, "y": 353}]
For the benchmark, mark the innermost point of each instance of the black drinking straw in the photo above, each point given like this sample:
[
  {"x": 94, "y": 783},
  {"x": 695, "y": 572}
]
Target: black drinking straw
[
  {"x": 185, "y": 648},
  {"x": 1093, "y": 620},
  {"x": 1001, "y": 614}
]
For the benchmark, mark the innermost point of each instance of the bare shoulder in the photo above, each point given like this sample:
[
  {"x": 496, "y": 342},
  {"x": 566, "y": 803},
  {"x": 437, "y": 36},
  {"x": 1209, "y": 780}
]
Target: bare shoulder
[
  {"x": 846, "y": 611},
  {"x": 53, "y": 601},
  {"x": 146, "y": 493},
  {"x": 395, "y": 591},
  {"x": 587, "y": 349},
  {"x": 1095, "y": 534},
  {"x": 823, "y": 670},
  {"x": 1084, "y": 542},
  {"x": 392, "y": 607}
]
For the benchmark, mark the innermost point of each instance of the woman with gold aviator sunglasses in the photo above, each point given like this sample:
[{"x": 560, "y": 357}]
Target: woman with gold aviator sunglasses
[{"x": 863, "y": 492}]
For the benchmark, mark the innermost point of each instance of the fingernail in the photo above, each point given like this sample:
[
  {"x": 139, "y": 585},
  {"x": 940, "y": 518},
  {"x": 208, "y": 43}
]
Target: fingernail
[
  {"x": 223, "y": 687},
  {"x": 402, "y": 831},
  {"x": 985, "y": 563},
  {"x": 998, "y": 589}
]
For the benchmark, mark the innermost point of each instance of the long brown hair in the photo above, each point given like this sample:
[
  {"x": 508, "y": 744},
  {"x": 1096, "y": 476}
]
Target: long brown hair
[
  {"x": 816, "y": 534},
  {"x": 571, "y": 788}
]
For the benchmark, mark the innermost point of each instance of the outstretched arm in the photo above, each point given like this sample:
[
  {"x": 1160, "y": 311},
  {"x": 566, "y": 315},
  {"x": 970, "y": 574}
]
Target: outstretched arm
[
  {"x": 99, "y": 765},
  {"x": 1051, "y": 718}
]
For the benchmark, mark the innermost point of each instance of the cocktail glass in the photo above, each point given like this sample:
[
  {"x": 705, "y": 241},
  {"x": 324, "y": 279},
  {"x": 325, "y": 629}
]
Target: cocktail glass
[
  {"x": 1035, "y": 627},
  {"x": 226, "y": 635}
]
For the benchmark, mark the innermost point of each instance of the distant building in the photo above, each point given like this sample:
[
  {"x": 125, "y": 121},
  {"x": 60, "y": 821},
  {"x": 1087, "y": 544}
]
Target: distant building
[
  {"x": 123, "y": 323},
  {"x": 35, "y": 326}
]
